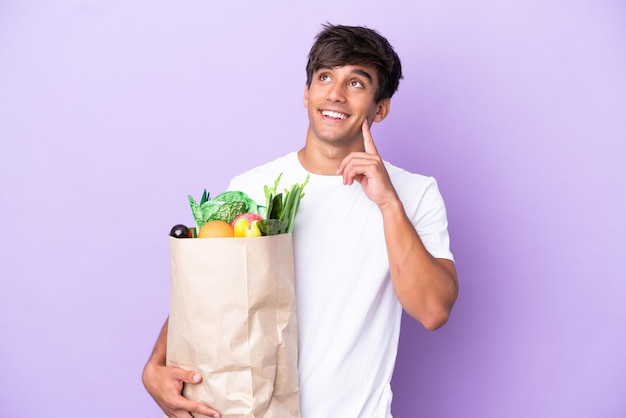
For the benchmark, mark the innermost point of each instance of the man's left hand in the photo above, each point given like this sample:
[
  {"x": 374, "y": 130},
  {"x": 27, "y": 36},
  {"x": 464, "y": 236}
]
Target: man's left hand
[{"x": 368, "y": 169}]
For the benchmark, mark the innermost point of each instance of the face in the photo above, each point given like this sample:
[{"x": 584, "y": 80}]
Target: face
[{"x": 339, "y": 100}]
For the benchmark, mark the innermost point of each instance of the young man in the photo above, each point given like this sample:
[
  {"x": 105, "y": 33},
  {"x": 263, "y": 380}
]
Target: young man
[{"x": 370, "y": 240}]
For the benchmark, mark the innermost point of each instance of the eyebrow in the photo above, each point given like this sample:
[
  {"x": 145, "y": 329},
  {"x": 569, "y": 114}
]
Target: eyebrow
[
  {"x": 358, "y": 71},
  {"x": 363, "y": 73}
]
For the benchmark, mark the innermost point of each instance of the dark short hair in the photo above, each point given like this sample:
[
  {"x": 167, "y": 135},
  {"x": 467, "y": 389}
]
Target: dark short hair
[{"x": 338, "y": 45}]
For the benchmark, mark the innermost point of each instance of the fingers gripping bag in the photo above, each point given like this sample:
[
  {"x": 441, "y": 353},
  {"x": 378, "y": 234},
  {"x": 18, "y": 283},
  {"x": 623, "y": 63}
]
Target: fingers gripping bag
[{"x": 232, "y": 306}]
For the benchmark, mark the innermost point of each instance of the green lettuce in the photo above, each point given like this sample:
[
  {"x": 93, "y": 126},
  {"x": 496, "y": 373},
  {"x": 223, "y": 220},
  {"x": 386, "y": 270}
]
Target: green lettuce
[{"x": 224, "y": 207}]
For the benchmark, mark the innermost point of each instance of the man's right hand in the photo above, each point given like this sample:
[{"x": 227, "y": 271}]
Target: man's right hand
[{"x": 165, "y": 385}]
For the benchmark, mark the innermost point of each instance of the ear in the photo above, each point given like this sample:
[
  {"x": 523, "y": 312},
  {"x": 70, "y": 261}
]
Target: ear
[
  {"x": 306, "y": 95},
  {"x": 382, "y": 110}
]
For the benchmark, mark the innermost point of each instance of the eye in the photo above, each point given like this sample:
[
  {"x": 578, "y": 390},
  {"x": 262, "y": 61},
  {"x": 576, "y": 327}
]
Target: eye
[
  {"x": 324, "y": 77},
  {"x": 356, "y": 83}
]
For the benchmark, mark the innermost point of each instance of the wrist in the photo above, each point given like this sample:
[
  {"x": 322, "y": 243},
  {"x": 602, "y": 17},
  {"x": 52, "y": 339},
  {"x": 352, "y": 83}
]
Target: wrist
[
  {"x": 156, "y": 359},
  {"x": 392, "y": 207}
]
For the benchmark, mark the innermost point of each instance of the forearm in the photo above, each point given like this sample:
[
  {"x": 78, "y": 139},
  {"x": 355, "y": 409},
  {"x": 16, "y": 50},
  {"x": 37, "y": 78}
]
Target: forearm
[
  {"x": 159, "y": 352},
  {"x": 156, "y": 360},
  {"x": 426, "y": 287}
]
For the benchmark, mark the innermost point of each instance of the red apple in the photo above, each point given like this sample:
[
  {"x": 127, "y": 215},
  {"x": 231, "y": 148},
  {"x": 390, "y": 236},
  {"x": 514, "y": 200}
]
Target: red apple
[{"x": 245, "y": 225}]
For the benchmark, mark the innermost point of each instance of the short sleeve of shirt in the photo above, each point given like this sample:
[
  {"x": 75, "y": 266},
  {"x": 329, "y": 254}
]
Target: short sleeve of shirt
[{"x": 426, "y": 209}]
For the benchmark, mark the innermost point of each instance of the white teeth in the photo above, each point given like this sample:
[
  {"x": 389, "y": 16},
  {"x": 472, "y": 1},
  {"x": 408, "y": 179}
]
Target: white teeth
[{"x": 332, "y": 114}]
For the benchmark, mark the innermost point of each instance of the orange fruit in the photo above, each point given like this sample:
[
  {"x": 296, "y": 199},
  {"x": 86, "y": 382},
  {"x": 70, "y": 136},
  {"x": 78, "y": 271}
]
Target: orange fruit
[{"x": 216, "y": 229}]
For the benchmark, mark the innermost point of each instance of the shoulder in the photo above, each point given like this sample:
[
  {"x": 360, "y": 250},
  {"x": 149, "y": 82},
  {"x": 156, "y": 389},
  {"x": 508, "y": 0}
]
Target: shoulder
[
  {"x": 252, "y": 181},
  {"x": 419, "y": 193},
  {"x": 407, "y": 182}
]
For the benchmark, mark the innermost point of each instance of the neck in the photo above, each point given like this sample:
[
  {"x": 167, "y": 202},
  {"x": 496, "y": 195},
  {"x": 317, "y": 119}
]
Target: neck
[
  {"x": 319, "y": 157},
  {"x": 318, "y": 164}
]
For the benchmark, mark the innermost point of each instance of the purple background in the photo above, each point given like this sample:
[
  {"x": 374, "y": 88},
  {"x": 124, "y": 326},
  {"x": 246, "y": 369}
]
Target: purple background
[{"x": 111, "y": 113}]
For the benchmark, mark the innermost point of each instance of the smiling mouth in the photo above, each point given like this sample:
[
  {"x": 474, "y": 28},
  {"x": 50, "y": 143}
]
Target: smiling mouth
[{"x": 334, "y": 115}]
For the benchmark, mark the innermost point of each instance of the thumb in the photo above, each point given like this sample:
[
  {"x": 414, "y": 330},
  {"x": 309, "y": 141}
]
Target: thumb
[{"x": 188, "y": 376}]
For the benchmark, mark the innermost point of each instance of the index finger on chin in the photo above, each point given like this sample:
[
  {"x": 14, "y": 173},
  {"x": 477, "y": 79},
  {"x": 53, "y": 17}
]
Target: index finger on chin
[{"x": 368, "y": 140}]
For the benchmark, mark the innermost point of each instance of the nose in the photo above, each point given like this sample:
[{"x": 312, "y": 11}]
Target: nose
[{"x": 336, "y": 93}]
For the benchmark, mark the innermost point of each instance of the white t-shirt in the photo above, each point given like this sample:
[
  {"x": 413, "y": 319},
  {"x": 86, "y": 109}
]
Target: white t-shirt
[{"x": 348, "y": 313}]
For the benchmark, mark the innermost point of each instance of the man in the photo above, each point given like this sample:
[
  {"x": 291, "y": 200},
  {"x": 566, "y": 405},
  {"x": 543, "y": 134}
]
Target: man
[{"x": 370, "y": 239}]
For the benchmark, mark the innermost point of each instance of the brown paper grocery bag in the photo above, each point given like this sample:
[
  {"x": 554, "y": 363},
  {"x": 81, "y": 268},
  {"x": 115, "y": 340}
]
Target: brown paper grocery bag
[{"x": 233, "y": 318}]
